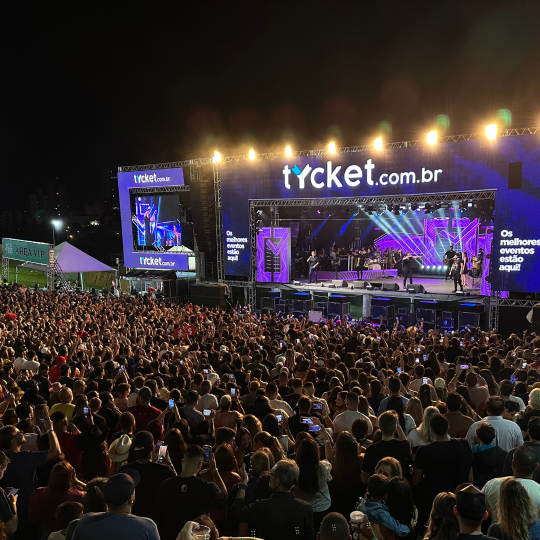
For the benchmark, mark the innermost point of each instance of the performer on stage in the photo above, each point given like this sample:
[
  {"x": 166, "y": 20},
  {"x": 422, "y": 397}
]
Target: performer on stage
[
  {"x": 407, "y": 269},
  {"x": 464, "y": 268},
  {"x": 313, "y": 265},
  {"x": 361, "y": 263},
  {"x": 298, "y": 264},
  {"x": 457, "y": 267},
  {"x": 448, "y": 260},
  {"x": 334, "y": 261},
  {"x": 397, "y": 259}
]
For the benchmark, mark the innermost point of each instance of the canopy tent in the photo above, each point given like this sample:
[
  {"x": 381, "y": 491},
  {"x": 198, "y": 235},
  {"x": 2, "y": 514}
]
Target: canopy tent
[{"x": 72, "y": 260}]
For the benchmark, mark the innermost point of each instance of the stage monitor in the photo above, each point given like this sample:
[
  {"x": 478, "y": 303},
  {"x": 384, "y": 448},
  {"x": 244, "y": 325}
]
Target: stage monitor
[
  {"x": 153, "y": 233},
  {"x": 274, "y": 254}
]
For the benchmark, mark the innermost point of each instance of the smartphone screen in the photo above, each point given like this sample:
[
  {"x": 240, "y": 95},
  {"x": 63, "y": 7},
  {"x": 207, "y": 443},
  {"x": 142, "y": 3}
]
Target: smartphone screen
[
  {"x": 207, "y": 453},
  {"x": 86, "y": 410},
  {"x": 314, "y": 428},
  {"x": 472, "y": 338},
  {"x": 425, "y": 380},
  {"x": 297, "y": 341},
  {"x": 162, "y": 451},
  {"x": 205, "y": 371},
  {"x": 317, "y": 406},
  {"x": 464, "y": 366},
  {"x": 461, "y": 343},
  {"x": 14, "y": 491},
  {"x": 425, "y": 356},
  {"x": 233, "y": 391},
  {"x": 171, "y": 403},
  {"x": 417, "y": 361},
  {"x": 419, "y": 349},
  {"x": 512, "y": 379},
  {"x": 306, "y": 420},
  {"x": 120, "y": 369},
  {"x": 232, "y": 377},
  {"x": 279, "y": 418},
  {"x": 524, "y": 365},
  {"x": 399, "y": 370},
  {"x": 207, "y": 412}
]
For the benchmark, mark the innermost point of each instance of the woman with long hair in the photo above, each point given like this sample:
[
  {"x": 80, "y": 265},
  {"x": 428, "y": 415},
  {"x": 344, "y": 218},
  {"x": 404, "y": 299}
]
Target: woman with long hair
[
  {"x": 312, "y": 485},
  {"x": 517, "y": 516},
  {"x": 176, "y": 448},
  {"x": 424, "y": 395},
  {"x": 346, "y": 485},
  {"x": 263, "y": 439},
  {"x": 443, "y": 524},
  {"x": 415, "y": 409},
  {"x": 422, "y": 435},
  {"x": 405, "y": 420},
  {"x": 375, "y": 394},
  {"x": 363, "y": 407},
  {"x": 262, "y": 407},
  {"x": 470, "y": 409},
  {"x": 243, "y": 445},
  {"x": 63, "y": 486},
  {"x": 399, "y": 502},
  {"x": 252, "y": 424},
  {"x": 40, "y": 418}
]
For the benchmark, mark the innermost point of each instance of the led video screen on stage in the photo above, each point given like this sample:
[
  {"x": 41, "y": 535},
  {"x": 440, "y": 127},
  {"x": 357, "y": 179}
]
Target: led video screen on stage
[
  {"x": 152, "y": 233},
  {"x": 473, "y": 165},
  {"x": 273, "y": 254}
]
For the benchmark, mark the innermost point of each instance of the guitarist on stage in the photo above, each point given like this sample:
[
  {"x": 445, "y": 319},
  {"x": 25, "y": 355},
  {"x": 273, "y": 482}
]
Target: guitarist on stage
[{"x": 449, "y": 261}]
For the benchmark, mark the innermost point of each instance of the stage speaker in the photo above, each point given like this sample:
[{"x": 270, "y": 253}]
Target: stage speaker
[
  {"x": 340, "y": 283},
  {"x": 403, "y": 311},
  {"x": 358, "y": 285},
  {"x": 515, "y": 175},
  {"x": 272, "y": 294},
  {"x": 341, "y": 309},
  {"x": 302, "y": 305},
  {"x": 387, "y": 312},
  {"x": 445, "y": 323},
  {"x": 447, "y": 314},
  {"x": 267, "y": 303},
  {"x": 406, "y": 319},
  {"x": 390, "y": 287},
  {"x": 208, "y": 294},
  {"x": 201, "y": 193},
  {"x": 337, "y": 298},
  {"x": 376, "y": 284},
  {"x": 415, "y": 289}
]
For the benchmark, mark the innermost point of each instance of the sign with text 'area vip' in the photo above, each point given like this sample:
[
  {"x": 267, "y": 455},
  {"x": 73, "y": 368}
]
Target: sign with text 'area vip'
[{"x": 24, "y": 250}]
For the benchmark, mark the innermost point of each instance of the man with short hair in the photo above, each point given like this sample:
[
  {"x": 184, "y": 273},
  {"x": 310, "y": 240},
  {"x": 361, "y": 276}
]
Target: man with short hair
[
  {"x": 207, "y": 400},
  {"x": 65, "y": 405},
  {"x": 295, "y": 421},
  {"x": 524, "y": 465},
  {"x": 272, "y": 394},
  {"x": 459, "y": 424},
  {"x": 533, "y": 431},
  {"x": 314, "y": 263},
  {"x": 187, "y": 496},
  {"x": 488, "y": 458},
  {"x": 143, "y": 412},
  {"x": 117, "y": 523},
  {"x": 507, "y": 389},
  {"x": 297, "y": 387},
  {"x": 507, "y": 434},
  {"x": 394, "y": 385},
  {"x": 282, "y": 516},
  {"x": 471, "y": 512},
  {"x": 388, "y": 446},
  {"x": 344, "y": 420},
  {"x": 193, "y": 416}
]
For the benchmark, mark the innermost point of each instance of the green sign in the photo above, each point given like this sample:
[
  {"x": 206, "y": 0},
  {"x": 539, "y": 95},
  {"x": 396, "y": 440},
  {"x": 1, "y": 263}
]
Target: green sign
[{"x": 23, "y": 250}]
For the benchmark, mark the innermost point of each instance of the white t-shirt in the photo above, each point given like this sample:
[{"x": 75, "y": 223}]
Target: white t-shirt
[
  {"x": 30, "y": 365},
  {"x": 492, "y": 491},
  {"x": 344, "y": 421},
  {"x": 207, "y": 401}
]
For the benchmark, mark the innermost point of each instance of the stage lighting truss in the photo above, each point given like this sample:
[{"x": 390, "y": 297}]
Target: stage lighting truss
[{"x": 321, "y": 152}]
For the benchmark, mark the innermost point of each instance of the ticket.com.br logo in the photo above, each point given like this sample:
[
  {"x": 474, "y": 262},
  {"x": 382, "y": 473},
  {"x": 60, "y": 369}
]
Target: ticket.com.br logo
[
  {"x": 155, "y": 261},
  {"x": 145, "y": 178}
]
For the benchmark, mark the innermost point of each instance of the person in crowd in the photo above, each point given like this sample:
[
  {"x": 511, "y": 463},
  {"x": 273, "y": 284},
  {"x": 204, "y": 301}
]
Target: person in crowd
[
  {"x": 283, "y": 515},
  {"x": 118, "y": 521},
  {"x": 524, "y": 464},
  {"x": 471, "y": 512},
  {"x": 225, "y": 417},
  {"x": 507, "y": 433},
  {"x": 423, "y": 435},
  {"x": 443, "y": 523},
  {"x": 488, "y": 458},
  {"x": 186, "y": 496},
  {"x": 8, "y": 502},
  {"x": 459, "y": 424},
  {"x": 533, "y": 433},
  {"x": 399, "y": 448},
  {"x": 518, "y": 515},
  {"x": 344, "y": 420},
  {"x": 67, "y": 513},
  {"x": 389, "y": 467}
]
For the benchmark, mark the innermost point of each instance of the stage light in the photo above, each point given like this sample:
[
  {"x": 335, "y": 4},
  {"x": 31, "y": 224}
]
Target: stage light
[
  {"x": 251, "y": 154},
  {"x": 422, "y": 267},
  {"x": 439, "y": 267},
  {"x": 217, "y": 157},
  {"x": 491, "y": 131},
  {"x": 332, "y": 148},
  {"x": 377, "y": 144},
  {"x": 288, "y": 151},
  {"x": 432, "y": 137}
]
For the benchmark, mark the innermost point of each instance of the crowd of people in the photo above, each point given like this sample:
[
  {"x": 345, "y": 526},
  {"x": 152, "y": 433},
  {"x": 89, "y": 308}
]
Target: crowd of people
[{"x": 134, "y": 418}]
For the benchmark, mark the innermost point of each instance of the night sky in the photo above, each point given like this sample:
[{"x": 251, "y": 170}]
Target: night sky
[{"x": 119, "y": 83}]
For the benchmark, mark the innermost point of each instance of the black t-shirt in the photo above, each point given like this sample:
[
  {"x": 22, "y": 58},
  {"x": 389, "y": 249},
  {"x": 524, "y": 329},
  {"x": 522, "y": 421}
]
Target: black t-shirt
[
  {"x": 401, "y": 450},
  {"x": 183, "y": 499},
  {"x": 442, "y": 463},
  {"x": 407, "y": 262},
  {"x": 320, "y": 388},
  {"x": 474, "y": 537},
  {"x": 504, "y": 373},
  {"x": 314, "y": 261},
  {"x": 292, "y": 399},
  {"x": 450, "y": 254},
  {"x": 152, "y": 475}
]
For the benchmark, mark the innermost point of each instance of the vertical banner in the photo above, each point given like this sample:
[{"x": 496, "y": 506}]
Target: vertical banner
[{"x": 274, "y": 255}]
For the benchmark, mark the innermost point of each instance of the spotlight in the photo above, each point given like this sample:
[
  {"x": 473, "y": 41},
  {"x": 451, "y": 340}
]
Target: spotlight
[
  {"x": 369, "y": 209},
  {"x": 428, "y": 208},
  {"x": 422, "y": 267},
  {"x": 414, "y": 207},
  {"x": 217, "y": 157},
  {"x": 288, "y": 151},
  {"x": 251, "y": 154},
  {"x": 432, "y": 137},
  {"x": 491, "y": 131},
  {"x": 332, "y": 148},
  {"x": 439, "y": 267},
  {"x": 396, "y": 209},
  {"x": 377, "y": 144}
]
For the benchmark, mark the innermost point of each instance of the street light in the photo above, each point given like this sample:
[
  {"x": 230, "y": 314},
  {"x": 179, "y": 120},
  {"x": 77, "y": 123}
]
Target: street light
[{"x": 56, "y": 224}]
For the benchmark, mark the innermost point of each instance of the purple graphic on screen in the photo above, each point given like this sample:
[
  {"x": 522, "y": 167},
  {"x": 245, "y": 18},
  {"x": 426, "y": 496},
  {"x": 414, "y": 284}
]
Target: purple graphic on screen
[{"x": 273, "y": 254}]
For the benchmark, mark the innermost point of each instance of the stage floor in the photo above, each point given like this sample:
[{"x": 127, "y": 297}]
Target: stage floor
[{"x": 435, "y": 289}]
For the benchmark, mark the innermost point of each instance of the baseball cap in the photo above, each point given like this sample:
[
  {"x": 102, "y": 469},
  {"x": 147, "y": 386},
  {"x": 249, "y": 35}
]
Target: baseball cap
[
  {"x": 145, "y": 392},
  {"x": 223, "y": 348},
  {"x": 120, "y": 487},
  {"x": 471, "y": 503},
  {"x": 213, "y": 377},
  {"x": 439, "y": 383},
  {"x": 141, "y": 445}
]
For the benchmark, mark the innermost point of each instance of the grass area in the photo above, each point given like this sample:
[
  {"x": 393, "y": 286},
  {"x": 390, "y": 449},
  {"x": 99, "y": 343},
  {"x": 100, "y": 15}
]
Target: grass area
[{"x": 26, "y": 276}]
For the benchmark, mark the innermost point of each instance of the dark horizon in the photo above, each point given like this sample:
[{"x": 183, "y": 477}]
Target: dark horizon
[{"x": 90, "y": 90}]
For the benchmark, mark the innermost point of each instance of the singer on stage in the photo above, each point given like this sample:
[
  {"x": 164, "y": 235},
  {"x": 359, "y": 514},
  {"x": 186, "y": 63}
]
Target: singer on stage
[
  {"x": 407, "y": 269},
  {"x": 313, "y": 265}
]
